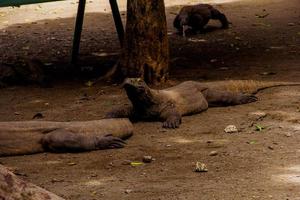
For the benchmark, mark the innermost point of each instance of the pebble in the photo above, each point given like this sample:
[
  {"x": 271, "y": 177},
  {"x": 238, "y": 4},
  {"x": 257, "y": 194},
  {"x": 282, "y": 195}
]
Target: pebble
[
  {"x": 288, "y": 135},
  {"x": 71, "y": 163},
  {"x": 128, "y": 191},
  {"x": 231, "y": 129},
  {"x": 126, "y": 162},
  {"x": 270, "y": 147},
  {"x": 200, "y": 167},
  {"x": 213, "y": 153},
  {"x": 147, "y": 159}
]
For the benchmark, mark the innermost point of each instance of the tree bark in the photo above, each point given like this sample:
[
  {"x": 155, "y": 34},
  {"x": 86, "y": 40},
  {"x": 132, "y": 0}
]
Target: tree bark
[
  {"x": 145, "y": 52},
  {"x": 13, "y": 188}
]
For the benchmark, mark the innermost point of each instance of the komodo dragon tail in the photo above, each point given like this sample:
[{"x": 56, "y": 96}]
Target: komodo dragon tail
[{"x": 247, "y": 86}]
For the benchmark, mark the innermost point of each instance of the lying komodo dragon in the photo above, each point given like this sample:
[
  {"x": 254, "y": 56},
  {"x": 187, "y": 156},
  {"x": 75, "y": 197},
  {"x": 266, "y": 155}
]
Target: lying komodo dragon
[
  {"x": 28, "y": 137},
  {"x": 187, "y": 98}
]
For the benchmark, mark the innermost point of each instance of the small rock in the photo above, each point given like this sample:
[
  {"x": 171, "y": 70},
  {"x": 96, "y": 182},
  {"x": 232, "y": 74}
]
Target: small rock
[
  {"x": 126, "y": 162},
  {"x": 71, "y": 164},
  {"x": 213, "y": 153},
  {"x": 147, "y": 159},
  {"x": 128, "y": 191},
  {"x": 288, "y": 134},
  {"x": 213, "y": 60},
  {"x": 270, "y": 147},
  {"x": 201, "y": 167},
  {"x": 55, "y": 180},
  {"x": 231, "y": 129},
  {"x": 291, "y": 24},
  {"x": 168, "y": 145}
]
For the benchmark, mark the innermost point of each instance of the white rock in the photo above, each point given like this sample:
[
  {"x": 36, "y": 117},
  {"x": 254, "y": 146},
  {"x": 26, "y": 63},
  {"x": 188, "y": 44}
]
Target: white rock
[{"x": 231, "y": 129}]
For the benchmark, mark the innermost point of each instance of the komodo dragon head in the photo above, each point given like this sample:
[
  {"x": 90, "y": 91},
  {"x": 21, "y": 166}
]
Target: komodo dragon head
[{"x": 138, "y": 92}]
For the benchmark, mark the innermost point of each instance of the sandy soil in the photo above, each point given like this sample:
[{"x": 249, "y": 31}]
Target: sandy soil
[{"x": 249, "y": 164}]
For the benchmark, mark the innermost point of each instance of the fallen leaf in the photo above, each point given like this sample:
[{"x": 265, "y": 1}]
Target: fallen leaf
[
  {"x": 136, "y": 163},
  {"x": 252, "y": 142},
  {"x": 262, "y": 15},
  {"x": 259, "y": 128},
  {"x": 89, "y": 83}
]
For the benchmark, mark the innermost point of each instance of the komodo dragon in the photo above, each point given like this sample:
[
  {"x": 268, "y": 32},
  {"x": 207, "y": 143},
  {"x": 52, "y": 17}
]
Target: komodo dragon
[
  {"x": 197, "y": 16},
  {"x": 190, "y": 97},
  {"x": 28, "y": 137}
]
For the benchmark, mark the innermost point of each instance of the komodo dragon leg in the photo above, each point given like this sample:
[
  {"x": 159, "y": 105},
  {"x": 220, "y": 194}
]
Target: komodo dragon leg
[
  {"x": 171, "y": 117},
  {"x": 62, "y": 140},
  {"x": 215, "y": 14}
]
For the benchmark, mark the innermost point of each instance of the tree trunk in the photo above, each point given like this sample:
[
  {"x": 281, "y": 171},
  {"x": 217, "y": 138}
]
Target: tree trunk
[
  {"x": 146, "y": 51},
  {"x": 12, "y": 187}
]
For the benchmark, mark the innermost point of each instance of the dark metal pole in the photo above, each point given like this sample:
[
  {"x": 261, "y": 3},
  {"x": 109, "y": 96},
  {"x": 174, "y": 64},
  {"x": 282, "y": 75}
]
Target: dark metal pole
[
  {"x": 78, "y": 29},
  {"x": 117, "y": 19}
]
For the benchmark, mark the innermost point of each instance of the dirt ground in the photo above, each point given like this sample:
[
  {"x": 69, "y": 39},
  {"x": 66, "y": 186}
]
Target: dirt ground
[{"x": 249, "y": 164}]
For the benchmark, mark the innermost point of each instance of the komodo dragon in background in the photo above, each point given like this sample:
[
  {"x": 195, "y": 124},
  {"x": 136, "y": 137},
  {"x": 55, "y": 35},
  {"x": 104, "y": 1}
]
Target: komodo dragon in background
[
  {"x": 197, "y": 16},
  {"x": 187, "y": 98},
  {"x": 28, "y": 137}
]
